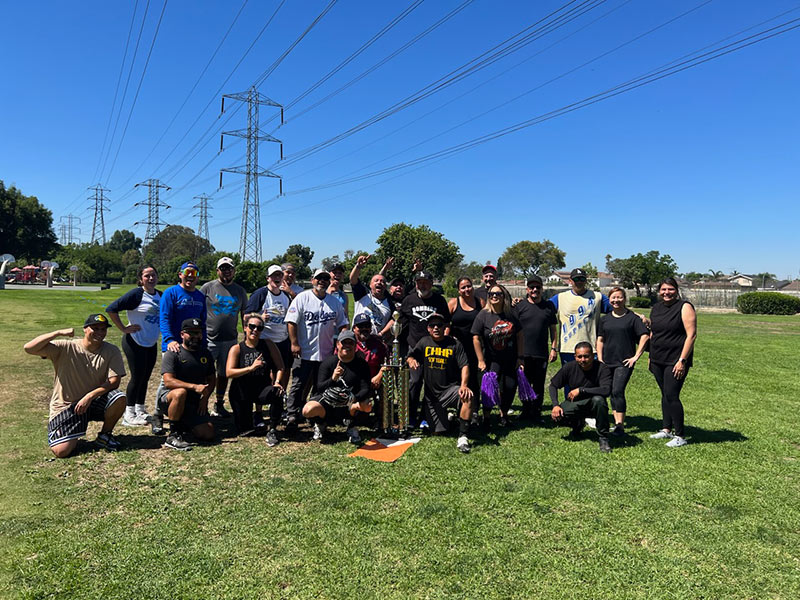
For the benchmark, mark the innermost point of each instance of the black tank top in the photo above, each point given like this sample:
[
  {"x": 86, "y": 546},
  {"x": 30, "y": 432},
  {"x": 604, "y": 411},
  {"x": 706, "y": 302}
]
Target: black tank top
[
  {"x": 461, "y": 321},
  {"x": 669, "y": 334},
  {"x": 260, "y": 378}
]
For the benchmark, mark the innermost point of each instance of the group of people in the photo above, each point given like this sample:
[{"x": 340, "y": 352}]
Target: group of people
[{"x": 301, "y": 357}]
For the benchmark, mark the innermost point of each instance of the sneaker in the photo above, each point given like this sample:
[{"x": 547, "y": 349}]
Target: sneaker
[
  {"x": 176, "y": 442},
  {"x": 353, "y": 436},
  {"x": 258, "y": 422},
  {"x": 291, "y": 425},
  {"x": 575, "y": 431},
  {"x": 661, "y": 435},
  {"x": 619, "y": 430},
  {"x": 272, "y": 438},
  {"x": 676, "y": 442},
  {"x": 475, "y": 420},
  {"x": 605, "y": 447},
  {"x": 590, "y": 422},
  {"x": 134, "y": 420},
  {"x": 424, "y": 428},
  {"x": 504, "y": 421},
  {"x": 141, "y": 411},
  {"x": 109, "y": 442},
  {"x": 157, "y": 424},
  {"x": 463, "y": 444},
  {"x": 218, "y": 410},
  {"x": 319, "y": 431}
]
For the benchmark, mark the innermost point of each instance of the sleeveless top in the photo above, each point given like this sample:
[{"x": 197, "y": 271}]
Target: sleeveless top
[
  {"x": 254, "y": 382},
  {"x": 669, "y": 333},
  {"x": 461, "y": 327}
]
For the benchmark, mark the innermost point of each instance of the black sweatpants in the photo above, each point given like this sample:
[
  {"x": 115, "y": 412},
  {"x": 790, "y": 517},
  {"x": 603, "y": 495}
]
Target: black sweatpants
[
  {"x": 414, "y": 396},
  {"x": 671, "y": 407},
  {"x": 242, "y": 400},
  {"x": 620, "y": 376},
  {"x": 141, "y": 361},
  {"x": 594, "y": 407}
]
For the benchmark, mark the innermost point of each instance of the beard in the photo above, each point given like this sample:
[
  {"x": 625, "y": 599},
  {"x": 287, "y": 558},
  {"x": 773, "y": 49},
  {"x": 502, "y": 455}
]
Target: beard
[
  {"x": 425, "y": 294},
  {"x": 193, "y": 345}
]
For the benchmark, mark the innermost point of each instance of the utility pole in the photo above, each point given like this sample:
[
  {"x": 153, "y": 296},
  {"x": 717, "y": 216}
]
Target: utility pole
[
  {"x": 70, "y": 231},
  {"x": 153, "y": 221},
  {"x": 98, "y": 226},
  {"x": 250, "y": 237},
  {"x": 202, "y": 229},
  {"x": 62, "y": 233}
]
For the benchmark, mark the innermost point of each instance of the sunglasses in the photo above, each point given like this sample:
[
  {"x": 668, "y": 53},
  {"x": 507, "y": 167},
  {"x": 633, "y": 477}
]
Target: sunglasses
[
  {"x": 364, "y": 326},
  {"x": 579, "y": 279},
  {"x": 436, "y": 325},
  {"x": 189, "y": 271},
  {"x": 252, "y": 327},
  {"x": 225, "y": 268},
  {"x": 324, "y": 279},
  {"x": 495, "y": 294}
]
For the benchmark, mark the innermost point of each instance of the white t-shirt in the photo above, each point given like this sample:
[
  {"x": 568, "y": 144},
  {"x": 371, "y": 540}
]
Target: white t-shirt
[
  {"x": 146, "y": 316},
  {"x": 275, "y": 306},
  {"x": 379, "y": 311},
  {"x": 317, "y": 320}
]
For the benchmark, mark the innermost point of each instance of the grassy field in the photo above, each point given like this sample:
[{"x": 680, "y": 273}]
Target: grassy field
[{"x": 527, "y": 514}]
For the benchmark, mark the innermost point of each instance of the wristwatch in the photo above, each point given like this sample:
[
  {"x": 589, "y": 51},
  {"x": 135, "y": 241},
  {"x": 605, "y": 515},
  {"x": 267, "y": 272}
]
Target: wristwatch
[{"x": 683, "y": 361}]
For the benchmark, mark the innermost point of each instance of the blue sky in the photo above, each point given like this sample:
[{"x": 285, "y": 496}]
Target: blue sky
[{"x": 701, "y": 165}]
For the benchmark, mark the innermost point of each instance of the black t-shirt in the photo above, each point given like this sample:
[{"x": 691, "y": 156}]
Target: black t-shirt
[
  {"x": 355, "y": 376},
  {"x": 594, "y": 382},
  {"x": 189, "y": 367},
  {"x": 482, "y": 292},
  {"x": 669, "y": 334},
  {"x": 260, "y": 378},
  {"x": 535, "y": 320},
  {"x": 414, "y": 312},
  {"x": 441, "y": 363},
  {"x": 499, "y": 336},
  {"x": 620, "y": 335}
]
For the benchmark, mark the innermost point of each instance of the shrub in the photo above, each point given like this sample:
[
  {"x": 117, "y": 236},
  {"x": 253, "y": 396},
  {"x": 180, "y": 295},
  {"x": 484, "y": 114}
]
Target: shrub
[
  {"x": 768, "y": 303},
  {"x": 639, "y": 302}
]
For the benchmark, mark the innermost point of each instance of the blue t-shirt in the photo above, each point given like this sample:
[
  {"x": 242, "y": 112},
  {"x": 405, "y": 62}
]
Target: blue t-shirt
[{"x": 176, "y": 306}]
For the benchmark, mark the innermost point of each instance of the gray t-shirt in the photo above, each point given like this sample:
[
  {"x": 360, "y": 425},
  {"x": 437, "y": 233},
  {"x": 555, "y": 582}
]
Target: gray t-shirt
[{"x": 223, "y": 304}]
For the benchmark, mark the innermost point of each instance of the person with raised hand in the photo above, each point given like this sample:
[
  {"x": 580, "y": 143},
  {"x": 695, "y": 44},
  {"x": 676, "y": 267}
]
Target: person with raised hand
[{"x": 373, "y": 302}]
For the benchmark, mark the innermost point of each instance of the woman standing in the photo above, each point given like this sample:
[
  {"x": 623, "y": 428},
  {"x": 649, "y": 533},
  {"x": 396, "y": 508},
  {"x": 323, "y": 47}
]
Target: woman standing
[
  {"x": 138, "y": 340},
  {"x": 463, "y": 310},
  {"x": 250, "y": 366},
  {"x": 621, "y": 340},
  {"x": 673, "y": 324},
  {"x": 498, "y": 342}
]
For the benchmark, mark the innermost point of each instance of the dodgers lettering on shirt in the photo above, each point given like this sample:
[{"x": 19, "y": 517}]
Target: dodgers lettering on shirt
[{"x": 317, "y": 320}]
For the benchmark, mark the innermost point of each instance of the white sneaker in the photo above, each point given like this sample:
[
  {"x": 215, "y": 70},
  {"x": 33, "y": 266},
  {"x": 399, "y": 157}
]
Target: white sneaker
[
  {"x": 661, "y": 435},
  {"x": 676, "y": 442},
  {"x": 141, "y": 411},
  {"x": 463, "y": 444},
  {"x": 353, "y": 436},
  {"x": 134, "y": 421},
  {"x": 319, "y": 430},
  {"x": 591, "y": 423}
]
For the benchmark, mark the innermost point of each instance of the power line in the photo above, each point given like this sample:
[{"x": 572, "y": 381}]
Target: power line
[
  {"x": 153, "y": 222},
  {"x": 98, "y": 226},
  {"x": 202, "y": 228},
  {"x": 70, "y": 231}
]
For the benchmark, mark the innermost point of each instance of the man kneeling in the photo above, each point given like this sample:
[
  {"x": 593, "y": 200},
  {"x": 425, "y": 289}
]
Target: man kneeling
[
  {"x": 343, "y": 386},
  {"x": 88, "y": 372},
  {"x": 445, "y": 373},
  {"x": 189, "y": 380},
  {"x": 589, "y": 382}
]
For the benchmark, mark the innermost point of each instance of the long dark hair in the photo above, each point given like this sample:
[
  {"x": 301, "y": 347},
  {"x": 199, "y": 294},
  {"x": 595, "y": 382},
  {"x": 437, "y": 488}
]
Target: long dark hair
[
  {"x": 671, "y": 282},
  {"x": 140, "y": 271}
]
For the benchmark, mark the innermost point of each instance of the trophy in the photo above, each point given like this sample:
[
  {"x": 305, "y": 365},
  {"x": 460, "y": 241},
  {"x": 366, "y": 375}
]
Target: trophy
[{"x": 394, "y": 401}]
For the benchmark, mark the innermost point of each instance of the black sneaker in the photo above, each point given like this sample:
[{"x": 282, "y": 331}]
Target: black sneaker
[
  {"x": 107, "y": 441},
  {"x": 619, "y": 430},
  {"x": 176, "y": 442},
  {"x": 291, "y": 425},
  {"x": 576, "y": 431},
  {"x": 272, "y": 438},
  {"x": 219, "y": 410},
  {"x": 157, "y": 424},
  {"x": 258, "y": 422},
  {"x": 605, "y": 447}
]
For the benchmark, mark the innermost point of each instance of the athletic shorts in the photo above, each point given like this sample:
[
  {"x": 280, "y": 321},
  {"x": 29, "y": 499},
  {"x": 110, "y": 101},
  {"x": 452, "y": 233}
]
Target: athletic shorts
[
  {"x": 334, "y": 415},
  {"x": 219, "y": 350},
  {"x": 435, "y": 409},
  {"x": 191, "y": 417},
  {"x": 68, "y": 425}
]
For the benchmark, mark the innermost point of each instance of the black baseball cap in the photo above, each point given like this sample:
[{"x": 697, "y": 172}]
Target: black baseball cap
[
  {"x": 397, "y": 281},
  {"x": 191, "y": 324},
  {"x": 347, "y": 334},
  {"x": 337, "y": 267},
  {"x": 360, "y": 319},
  {"x": 423, "y": 275},
  {"x": 577, "y": 273},
  {"x": 534, "y": 279},
  {"x": 96, "y": 319}
]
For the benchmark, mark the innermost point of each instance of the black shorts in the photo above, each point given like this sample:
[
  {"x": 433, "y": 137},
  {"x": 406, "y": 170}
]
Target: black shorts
[
  {"x": 68, "y": 425},
  {"x": 191, "y": 417},
  {"x": 334, "y": 415}
]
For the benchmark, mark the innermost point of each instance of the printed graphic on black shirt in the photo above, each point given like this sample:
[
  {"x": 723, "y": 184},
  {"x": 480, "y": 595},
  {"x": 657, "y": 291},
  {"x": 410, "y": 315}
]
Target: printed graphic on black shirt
[{"x": 501, "y": 335}]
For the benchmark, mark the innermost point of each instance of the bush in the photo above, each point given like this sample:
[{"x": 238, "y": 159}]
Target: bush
[
  {"x": 639, "y": 302},
  {"x": 768, "y": 303}
]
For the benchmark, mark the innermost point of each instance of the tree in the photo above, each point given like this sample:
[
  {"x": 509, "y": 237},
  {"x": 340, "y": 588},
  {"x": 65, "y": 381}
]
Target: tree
[
  {"x": 26, "y": 227},
  {"x": 407, "y": 243},
  {"x": 456, "y": 270},
  {"x": 642, "y": 270},
  {"x": 527, "y": 258},
  {"x": 694, "y": 276},
  {"x": 329, "y": 261},
  {"x": 252, "y": 275},
  {"x": 123, "y": 240},
  {"x": 716, "y": 275},
  {"x": 300, "y": 256},
  {"x": 762, "y": 279},
  {"x": 173, "y": 246}
]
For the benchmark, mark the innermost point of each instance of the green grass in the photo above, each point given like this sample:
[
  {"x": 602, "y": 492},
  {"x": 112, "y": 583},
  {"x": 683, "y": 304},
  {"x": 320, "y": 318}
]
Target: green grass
[{"x": 526, "y": 515}]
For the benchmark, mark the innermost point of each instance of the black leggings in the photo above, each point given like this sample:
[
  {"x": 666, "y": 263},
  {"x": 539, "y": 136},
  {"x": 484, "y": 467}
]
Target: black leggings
[
  {"x": 242, "y": 399},
  {"x": 671, "y": 407},
  {"x": 620, "y": 376},
  {"x": 507, "y": 380},
  {"x": 140, "y": 362}
]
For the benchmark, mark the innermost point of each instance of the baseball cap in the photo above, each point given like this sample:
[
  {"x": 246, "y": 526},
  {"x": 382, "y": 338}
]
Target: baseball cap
[
  {"x": 489, "y": 268},
  {"x": 397, "y": 281},
  {"x": 534, "y": 279},
  {"x": 337, "y": 267},
  {"x": 274, "y": 269},
  {"x": 436, "y": 317},
  {"x": 96, "y": 319},
  {"x": 188, "y": 265},
  {"x": 360, "y": 319},
  {"x": 577, "y": 273},
  {"x": 191, "y": 324},
  {"x": 347, "y": 334},
  {"x": 225, "y": 260},
  {"x": 423, "y": 275},
  {"x": 319, "y": 272}
]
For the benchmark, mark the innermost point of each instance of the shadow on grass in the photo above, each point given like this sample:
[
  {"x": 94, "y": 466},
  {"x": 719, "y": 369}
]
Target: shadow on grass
[{"x": 696, "y": 435}]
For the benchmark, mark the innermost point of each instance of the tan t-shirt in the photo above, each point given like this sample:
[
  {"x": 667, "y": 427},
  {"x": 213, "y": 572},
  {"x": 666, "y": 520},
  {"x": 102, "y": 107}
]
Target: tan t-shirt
[{"x": 79, "y": 371}]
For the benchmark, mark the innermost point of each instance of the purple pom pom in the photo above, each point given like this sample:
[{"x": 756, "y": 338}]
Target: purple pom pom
[
  {"x": 490, "y": 390},
  {"x": 526, "y": 393}
]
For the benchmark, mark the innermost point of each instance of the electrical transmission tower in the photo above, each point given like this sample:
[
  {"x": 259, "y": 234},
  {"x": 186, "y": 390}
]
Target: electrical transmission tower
[
  {"x": 98, "y": 226},
  {"x": 250, "y": 240},
  {"x": 153, "y": 221},
  {"x": 70, "y": 231},
  {"x": 202, "y": 229}
]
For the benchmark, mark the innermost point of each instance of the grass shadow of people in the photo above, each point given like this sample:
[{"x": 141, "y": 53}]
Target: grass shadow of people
[{"x": 696, "y": 435}]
